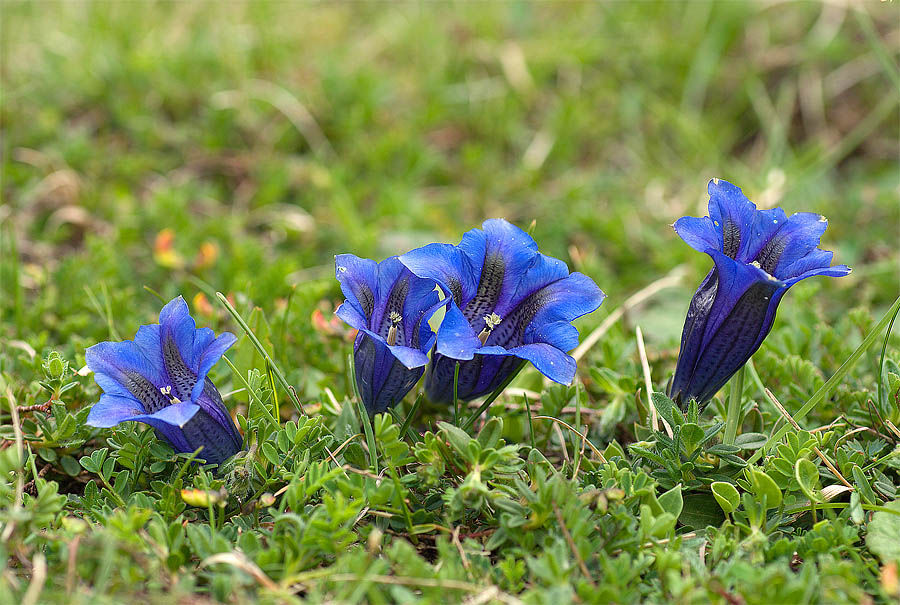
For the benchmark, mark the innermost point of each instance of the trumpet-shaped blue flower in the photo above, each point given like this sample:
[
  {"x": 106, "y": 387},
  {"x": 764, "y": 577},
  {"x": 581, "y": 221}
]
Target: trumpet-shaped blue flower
[
  {"x": 508, "y": 303},
  {"x": 390, "y": 307},
  {"x": 758, "y": 255},
  {"x": 159, "y": 378}
]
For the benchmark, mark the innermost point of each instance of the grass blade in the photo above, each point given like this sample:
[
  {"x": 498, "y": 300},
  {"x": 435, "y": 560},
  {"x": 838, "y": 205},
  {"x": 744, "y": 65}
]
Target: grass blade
[
  {"x": 832, "y": 382},
  {"x": 262, "y": 351}
]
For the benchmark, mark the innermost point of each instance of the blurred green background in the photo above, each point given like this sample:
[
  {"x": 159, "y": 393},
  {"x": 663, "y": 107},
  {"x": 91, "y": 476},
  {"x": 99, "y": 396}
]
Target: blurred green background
[{"x": 238, "y": 147}]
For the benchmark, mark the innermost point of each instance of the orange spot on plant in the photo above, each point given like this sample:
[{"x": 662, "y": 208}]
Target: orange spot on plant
[
  {"x": 202, "y": 305},
  {"x": 164, "y": 252},
  {"x": 206, "y": 256}
]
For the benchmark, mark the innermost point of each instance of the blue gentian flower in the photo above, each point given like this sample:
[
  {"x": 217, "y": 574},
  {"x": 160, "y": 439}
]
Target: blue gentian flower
[
  {"x": 508, "y": 303},
  {"x": 159, "y": 378},
  {"x": 390, "y": 307},
  {"x": 758, "y": 255}
]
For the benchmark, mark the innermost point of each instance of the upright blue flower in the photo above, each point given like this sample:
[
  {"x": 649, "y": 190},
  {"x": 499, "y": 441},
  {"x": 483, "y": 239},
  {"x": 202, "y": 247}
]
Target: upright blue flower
[
  {"x": 758, "y": 255},
  {"x": 508, "y": 302},
  {"x": 390, "y": 307},
  {"x": 159, "y": 378}
]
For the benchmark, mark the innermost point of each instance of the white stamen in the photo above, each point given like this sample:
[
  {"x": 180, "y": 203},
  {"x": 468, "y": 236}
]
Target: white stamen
[
  {"x": 491, "y": 321},
  {"x": 167, "y": 391},
  {"x": 394, "y": 318}
]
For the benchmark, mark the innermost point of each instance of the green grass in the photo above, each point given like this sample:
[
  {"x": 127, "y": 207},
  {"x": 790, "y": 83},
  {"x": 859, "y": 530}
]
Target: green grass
[{"x": 264, "y": 138}]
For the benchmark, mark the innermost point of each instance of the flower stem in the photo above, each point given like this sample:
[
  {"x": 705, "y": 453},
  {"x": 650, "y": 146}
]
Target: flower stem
[
  {"x": 487, "y": 402},
  {"x": 456, "y": 394},
  {"x": 733, "y": 415},
  {"x": 363, "y": 417}
]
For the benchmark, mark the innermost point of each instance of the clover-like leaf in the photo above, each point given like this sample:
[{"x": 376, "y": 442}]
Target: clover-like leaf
[{"x": 726, "y": 495}]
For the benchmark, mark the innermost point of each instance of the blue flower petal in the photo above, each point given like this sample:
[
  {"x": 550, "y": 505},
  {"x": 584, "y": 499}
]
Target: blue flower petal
[
  {"x": 456, "y": 338},
  {"x": 699, "y": 233},
  {"x": 732, "y": 215},
  {"x": 763, "y": 253},
  {"x": 208, "y": 357},
  {"x": 408, "y": 356},
  {"x": 507, "y": 254},
  {"x": 381, "y": 377},
  {"x": 543, "y": 271},
  {"x": 175, "y": 415},
  {"x": 796, "y": 238},
  {"x": 118, "y": 366},
  {"x": 835, "y": 271},
  {"x": 448, "y": 266},
  {"x": 549, "y": 361},
  {"x": 210, "y": 402},
  {"x": 113, "y": 409},
  {"x": 358, "y": 278},
  {"x": 765, "y": 224},
  {"x": 567, "y": 299},
  {"x": 560, "y": 334}
]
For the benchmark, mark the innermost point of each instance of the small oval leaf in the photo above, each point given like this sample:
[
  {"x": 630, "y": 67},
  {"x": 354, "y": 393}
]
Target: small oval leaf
[{"x": 726, "y": 495}]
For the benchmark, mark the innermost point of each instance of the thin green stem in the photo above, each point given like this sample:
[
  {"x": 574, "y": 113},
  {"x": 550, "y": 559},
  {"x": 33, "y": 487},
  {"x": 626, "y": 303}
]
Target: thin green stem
[
  {"x": 832, "y": 382},
  {"x": 411, "y": 416},
  {"x": 250, "y": 390},
  {"x": 262, "y": 351},
  {"x": 277, "y": 410},
  {"x": 456, "y": 394},
  {"x": 487, "y": 402},
  {"x": 530, "y": 420},
  {"x": 887, "y": 337},
  {"x": 364, "y": 417},
  {"x": 733, "y": 415},
  {"x": 155, "y": 293}
]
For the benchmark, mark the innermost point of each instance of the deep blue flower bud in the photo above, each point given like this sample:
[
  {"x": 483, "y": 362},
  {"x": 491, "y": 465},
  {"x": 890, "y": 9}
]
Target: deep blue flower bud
[
  {"x": 757, "y": 256},
  {"x": 159, "y": 378},
  {"x": 508, "y": 303},
  {"x": 390, "y": 307}
]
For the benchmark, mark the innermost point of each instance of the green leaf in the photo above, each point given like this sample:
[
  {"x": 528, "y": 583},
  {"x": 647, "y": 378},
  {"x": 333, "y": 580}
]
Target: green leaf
[
  {"x": 750, "y": 441},
  {"x": 70, "y": 465},
  {"x": 268, "y": 450},
  {"x": 700, "y": 511},
  {"x": 862, "y": 484},
  {"x": 883, "y": 537},
  {"x": 666, "y": 408},
  {"x": 491, "y": 433},
  {"x": 458, "y": 439},
  {"x": 726, "y": 495},
  {"x": 692, "y": 435},
  {"x": 671, "y": 501},
  {"x": 807, "y": 476},
  {"x": 765, "y": 487}
]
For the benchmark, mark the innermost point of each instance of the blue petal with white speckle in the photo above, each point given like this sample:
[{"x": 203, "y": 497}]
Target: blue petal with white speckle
[
  {"x": 160, "y": 379},
  {"x": 757, "y": 256},
  {"x": 508, "y": 303},
  {"x": 390, "y": 307}
]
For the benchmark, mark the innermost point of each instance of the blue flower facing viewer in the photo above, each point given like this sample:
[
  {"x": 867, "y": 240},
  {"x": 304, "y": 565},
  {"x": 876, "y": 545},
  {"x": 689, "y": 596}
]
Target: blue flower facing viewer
[
  {"x": 159, "y": 378},
  {"x": 390, "y": 307},
  {"x": 508, "y": 303},
  {"x": 758, "y": 255}
]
